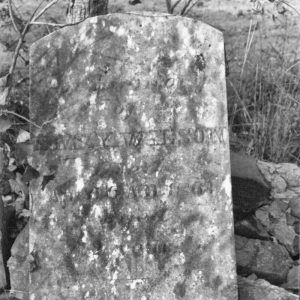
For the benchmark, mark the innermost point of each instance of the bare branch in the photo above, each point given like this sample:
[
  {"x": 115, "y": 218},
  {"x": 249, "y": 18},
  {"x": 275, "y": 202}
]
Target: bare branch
[
  {"x": 11, "y": 14},
  {"x": 291, "y": 6},
  {"x": 5, "y": 111},
  {"x": 43, "y": 10},
  {"x": 55, "y": 24},
  {"x": 171, "y": 7},
  {"x": 20, "y": 42},
  {"x": 187, "y": 4},
  {"x": 190, "y": 7}
]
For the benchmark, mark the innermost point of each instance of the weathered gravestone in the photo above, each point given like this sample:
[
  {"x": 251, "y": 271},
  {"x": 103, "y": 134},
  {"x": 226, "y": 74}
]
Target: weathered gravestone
[{"x": 135, "y": 202}]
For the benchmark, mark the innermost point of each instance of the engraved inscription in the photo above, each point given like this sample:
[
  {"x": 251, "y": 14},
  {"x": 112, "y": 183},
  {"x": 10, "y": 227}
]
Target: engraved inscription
[
  {"x": 152, "y": 191},
  {"x": 136, "y": 139}
]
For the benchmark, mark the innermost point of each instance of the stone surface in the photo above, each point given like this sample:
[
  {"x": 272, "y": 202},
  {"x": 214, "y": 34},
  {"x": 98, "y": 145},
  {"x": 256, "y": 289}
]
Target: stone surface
[
  {"x": 135, "y": 202},
  {"x": 290, "y": 173},
  {"x": 19, "y": 265},
  {"x": 296, "y": 246},
  {"x": 251, "y": 228},
  {"x": 278, "y": 184},
  {"x": 293, "y": 279},
  {"x": 284, "y": 179},
  {"x": 297, "y": 227},
  {"x": 277, "y": 221},
  {"x": 284, "y": 233},
  {"x": 291, "y": 220},
  {"x": 266, "y": 259},
  {"x": 295, "y": 207},
  {"x": 262, "y": 290},
  {"x": 277, "y": 209},
  {"x": 262, "y": 214}
]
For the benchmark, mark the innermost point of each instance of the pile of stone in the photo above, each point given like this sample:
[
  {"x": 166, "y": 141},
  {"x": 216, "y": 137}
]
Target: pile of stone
[{"x": 267, "y": 245}]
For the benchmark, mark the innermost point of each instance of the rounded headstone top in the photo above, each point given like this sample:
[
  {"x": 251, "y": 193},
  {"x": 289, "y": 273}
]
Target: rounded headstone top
[{"x": 126, "y": 17}]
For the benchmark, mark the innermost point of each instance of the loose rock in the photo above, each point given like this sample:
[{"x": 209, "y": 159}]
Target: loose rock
[
  {"x": 293, "y": 279},
  {"x": 262, "y": 290},
  {"x": 266, "y": 259},
  {"x": 295, "y": 207}
]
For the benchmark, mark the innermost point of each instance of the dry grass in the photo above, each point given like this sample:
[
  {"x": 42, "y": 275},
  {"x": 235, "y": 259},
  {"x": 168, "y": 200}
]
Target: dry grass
[{"x": 264, "y": 106}]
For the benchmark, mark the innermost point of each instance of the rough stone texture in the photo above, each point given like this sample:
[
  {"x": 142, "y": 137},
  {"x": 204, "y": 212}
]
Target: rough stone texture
[
  {"x": 135, "y": 201},
  {"x": 262, "y": 290},
  {"x": 251, "y": 228},
  {"x": 296, "y": 226},
  {"x": 296, "y": 245},
  {"x": 284, "y": 179},
  {"x": 295, "y": 207},
  {"x": 293, "y": 279},
  {"x": 19, "y": 265},
  {"x": 283, "y": 215},
  {"x": 266, "y": 259},
  {"x": 262, "y": 214},
  {"x": 285, "y": 235}
]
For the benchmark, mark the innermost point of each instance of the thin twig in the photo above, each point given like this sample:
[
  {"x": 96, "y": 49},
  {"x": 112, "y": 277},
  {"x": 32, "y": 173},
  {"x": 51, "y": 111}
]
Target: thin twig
[
  {"x": 20, "y": 42},
  {"x": 292, "y": 66},
  {"x": 56, "y": 24},
  {"x": 11, "y": 14},
  {"x": 5, "y": 111},
  {"x": 187, "y": 4},
  {"x": 17, "y": 50},
  {"x": 17, "y": 291},
  {"x": 43, "y": 10},
  {"x": 48, "y": 24},
  {"x": 191, "y": 6},
  {"x": 291, "y": 6}
]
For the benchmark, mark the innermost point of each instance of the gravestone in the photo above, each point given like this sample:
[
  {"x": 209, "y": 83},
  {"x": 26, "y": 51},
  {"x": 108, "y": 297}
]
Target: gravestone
[{"x": 134, "y": 198}]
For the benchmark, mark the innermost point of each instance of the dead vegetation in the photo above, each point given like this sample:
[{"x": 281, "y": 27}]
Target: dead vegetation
[{"x": 264, "y": 113}]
